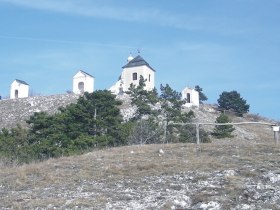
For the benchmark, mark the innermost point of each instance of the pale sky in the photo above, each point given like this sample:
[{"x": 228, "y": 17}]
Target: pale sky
[{"x": 220, "y": 45}]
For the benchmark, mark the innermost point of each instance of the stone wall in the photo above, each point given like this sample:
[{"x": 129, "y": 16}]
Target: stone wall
[{"x": 16, "y": 111}]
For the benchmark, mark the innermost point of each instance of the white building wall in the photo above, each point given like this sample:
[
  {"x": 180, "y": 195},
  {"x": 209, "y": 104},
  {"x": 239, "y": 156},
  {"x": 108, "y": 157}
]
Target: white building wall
[
  {"x": 21, "y": 89},
  {"x": 146, "y": 72},
  {"x": 87, "y": 80},
  {"x": 193, "y": 97}
]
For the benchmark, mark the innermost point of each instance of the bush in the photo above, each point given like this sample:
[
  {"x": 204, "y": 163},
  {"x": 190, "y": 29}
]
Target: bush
[{"x": 223, "y": 131}]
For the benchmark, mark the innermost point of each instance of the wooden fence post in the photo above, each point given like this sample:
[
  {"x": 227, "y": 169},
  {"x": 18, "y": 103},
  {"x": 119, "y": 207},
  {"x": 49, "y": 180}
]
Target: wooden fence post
[
  {"x": 197, "y": 138},
  {"x": 276, "y": 133}
]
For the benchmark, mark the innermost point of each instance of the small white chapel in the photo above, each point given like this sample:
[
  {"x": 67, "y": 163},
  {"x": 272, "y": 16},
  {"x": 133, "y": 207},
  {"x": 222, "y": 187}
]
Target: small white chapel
[
  {"x": 19, "y": 89},
  {"x": 191, "y": 96},
  {"x": 83, "y": 82}
]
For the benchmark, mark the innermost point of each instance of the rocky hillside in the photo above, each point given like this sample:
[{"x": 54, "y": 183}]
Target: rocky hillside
[{"x": 16, "y": 111}]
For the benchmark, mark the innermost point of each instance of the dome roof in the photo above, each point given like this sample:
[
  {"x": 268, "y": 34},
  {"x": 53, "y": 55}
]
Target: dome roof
[{"x": 130, "y": 58}]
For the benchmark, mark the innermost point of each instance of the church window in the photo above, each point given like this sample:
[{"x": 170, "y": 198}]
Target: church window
[
  {"x": 134, "y": 76},
  {"x": 81, "y": 87},
  {"x": 16, "y": 93},
  {"x": 188, "y": 98},
  {"x": 149, "y": 78}
]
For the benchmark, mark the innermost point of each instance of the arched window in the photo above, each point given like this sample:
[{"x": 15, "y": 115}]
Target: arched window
[
  {"x": 81, "y": 87},
  {"x": 134, "y": 76},
  {"x": 188, "y": 98},
  {"x": 16, "y": 93}
]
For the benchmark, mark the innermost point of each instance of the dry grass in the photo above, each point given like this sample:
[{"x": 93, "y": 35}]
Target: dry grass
[{"x": 134, "y": 161}]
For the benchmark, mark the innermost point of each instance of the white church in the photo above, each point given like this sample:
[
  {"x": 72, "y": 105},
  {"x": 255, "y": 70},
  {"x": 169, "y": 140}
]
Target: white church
[
  {"x": 131, "y": 73},
  {"x": 132, "y": 70}
]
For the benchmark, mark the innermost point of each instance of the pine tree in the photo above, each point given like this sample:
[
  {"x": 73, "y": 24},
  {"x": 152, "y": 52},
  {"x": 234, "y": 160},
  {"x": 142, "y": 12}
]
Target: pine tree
[
  {"x": 145, "y": 127},
  {"x": 202, "y": 96},
  {"x": 142, "y": 98},
  {"x": 223, "y": 131},
  {"x": 94, "y": 121},
  {"x": 233, "y": 101},
  {"x": 171, "y": 107}
]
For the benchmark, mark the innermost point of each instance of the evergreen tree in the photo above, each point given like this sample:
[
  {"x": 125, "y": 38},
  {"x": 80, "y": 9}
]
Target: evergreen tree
[
  {"x": 145, "y": 127},
  {"x": 99, "y": 113},
  {"x": 14, "y": 145},
  {"x": 142, "y": 98},
  {"x": 202, "y": 96},
  {"x": 223, "y": 131},
  {"x": 94, "y": 121},
  {"x": 171, "y": 105},
  {"x": 233, "y": 101}
]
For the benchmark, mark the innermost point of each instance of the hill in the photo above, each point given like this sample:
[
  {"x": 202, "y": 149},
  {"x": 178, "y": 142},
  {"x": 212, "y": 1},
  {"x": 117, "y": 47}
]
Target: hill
[{"x": 238, "y": 173}]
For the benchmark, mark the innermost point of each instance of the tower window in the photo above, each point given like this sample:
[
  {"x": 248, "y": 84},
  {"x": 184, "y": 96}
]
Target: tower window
[
  {"x": 149, "y": 78},
  {"x": 134, "y": 76}
]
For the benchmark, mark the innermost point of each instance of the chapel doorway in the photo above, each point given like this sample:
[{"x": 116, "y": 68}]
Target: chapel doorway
[
  {"x": 81, "y": 87},
  {"x": 16, "y": 93}
]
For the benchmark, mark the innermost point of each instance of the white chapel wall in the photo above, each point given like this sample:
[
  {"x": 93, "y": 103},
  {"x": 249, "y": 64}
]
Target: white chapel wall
[
  {"x": 83, "y": 83},
  {"x": 19, "y": 90},
  {"x": 191, "y": 96},
  {"x": 147, "y": 73}
]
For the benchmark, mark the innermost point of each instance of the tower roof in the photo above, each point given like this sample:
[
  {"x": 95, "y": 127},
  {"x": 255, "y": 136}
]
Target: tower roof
[{"x": 137, "y": 61}]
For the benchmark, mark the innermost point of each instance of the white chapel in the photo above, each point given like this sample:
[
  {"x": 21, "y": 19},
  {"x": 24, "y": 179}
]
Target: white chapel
[
  {"x": 131, "y": 73},
  {"x": 19, "y": 89},
  {"x": 191, "y": 96},
  {"x": 83, "y": 82}
]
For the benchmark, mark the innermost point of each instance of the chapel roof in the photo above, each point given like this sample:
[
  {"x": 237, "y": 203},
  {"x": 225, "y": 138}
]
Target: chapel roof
[
  {"x": 83, "y": 72},
  {"x": 137, "y": 61},
  {"x": 21, "y": 82}
]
